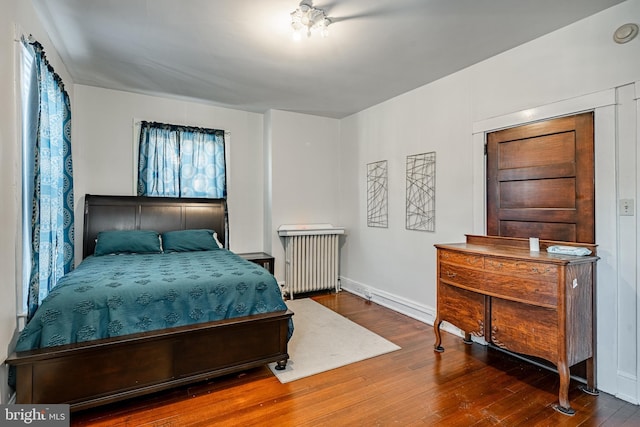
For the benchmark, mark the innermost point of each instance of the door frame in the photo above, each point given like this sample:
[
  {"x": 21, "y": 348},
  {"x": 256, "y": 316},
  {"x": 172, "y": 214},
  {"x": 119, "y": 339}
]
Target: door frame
[{"x": 603, "y": 104}]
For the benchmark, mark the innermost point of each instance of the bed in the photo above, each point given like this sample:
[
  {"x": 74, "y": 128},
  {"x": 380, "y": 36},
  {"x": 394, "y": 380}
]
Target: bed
[{"x": 139, "y": 350}]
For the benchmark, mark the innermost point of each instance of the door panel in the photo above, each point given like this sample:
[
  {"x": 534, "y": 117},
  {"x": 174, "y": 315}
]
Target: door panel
[
  {"x": 558, "y": 193},
  {"x": 560, "y": 231},
  {"x": 535, "y": 152},
  {"x": 540, "y": 180}
]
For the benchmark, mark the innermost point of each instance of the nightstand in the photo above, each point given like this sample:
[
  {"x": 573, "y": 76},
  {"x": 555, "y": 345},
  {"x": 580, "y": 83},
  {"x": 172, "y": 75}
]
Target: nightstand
[{"x": 262, "y": 258}]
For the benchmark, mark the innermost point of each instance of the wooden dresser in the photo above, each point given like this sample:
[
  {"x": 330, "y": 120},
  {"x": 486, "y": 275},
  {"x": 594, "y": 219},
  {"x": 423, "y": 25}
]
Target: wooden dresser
[{"x": 533, "y": 303}]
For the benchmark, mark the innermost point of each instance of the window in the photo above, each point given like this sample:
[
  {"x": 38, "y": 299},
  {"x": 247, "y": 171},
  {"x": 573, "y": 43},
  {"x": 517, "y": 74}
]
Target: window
[
  {"x": 47, "y": 177},
  {"x": 181, "y": 161}
]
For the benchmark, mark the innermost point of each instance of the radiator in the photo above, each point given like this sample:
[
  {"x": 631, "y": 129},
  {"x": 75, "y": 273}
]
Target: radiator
[{"x": 311, "y": 257}]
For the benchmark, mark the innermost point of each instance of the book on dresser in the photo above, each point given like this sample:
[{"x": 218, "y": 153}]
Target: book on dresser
[{"x": 534, "y": 303}]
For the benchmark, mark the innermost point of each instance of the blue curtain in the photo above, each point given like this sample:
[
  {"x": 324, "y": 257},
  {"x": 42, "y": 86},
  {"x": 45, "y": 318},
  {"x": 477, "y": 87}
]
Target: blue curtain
[
  {"x": 179, "y": 161},
  {"x": 49, "y": 165},
  {"x": 158, "y": 162}
]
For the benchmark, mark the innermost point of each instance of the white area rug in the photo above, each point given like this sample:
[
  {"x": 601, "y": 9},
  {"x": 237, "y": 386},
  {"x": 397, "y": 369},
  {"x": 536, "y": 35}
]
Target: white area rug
[{"x": 323, "y": 340}]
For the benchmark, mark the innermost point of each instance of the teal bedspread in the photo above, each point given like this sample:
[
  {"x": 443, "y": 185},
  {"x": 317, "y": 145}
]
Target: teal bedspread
[{"x": 116, "y": 295}]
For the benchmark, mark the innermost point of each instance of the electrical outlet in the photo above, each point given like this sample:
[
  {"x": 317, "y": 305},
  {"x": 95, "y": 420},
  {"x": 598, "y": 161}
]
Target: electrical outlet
[{"x": 626, "y": 207}]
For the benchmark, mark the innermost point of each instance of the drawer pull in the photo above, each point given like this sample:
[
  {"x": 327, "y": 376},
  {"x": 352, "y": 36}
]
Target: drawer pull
[
  {"x": 539, "y": 270},
  {"x": 451, "y": 275}
]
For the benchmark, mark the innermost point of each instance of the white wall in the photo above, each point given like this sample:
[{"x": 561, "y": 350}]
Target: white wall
[
  {"x": 104, "y": 141},
  {"x": 395, "y": 260},
  {"x": 17, "y": 17},
  {"x": 305, "y": 174},
  {"x": 397, "y": 267}
]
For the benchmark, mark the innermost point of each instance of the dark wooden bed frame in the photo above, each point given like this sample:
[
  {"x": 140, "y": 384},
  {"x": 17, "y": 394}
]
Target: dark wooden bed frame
[{"x": 94, "y": 373}]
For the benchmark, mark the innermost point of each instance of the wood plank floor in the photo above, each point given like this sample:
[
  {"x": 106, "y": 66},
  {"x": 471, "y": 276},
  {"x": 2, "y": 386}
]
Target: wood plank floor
[{"x": 467, "y": 385}]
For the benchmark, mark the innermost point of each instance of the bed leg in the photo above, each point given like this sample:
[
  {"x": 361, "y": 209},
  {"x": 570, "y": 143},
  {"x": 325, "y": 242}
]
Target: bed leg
[{"x": 281, "y": 364}]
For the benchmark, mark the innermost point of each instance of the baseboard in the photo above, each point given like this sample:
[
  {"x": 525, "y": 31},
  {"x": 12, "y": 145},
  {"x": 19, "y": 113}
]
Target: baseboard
[
  {"x": 626, "y": 384},
  {"x": 421, "y": 312}
]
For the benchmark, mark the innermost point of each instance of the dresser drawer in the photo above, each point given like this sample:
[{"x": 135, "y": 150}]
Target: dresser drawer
[
  {"x": 461, "y": 276},
  {"x": 528, "y": 269},
  {"x": 461, "y": 258},
  {"x": 463, "y": 308},
  {"x": 520, "y": 289},
  {"x": 525, "y": 328}
]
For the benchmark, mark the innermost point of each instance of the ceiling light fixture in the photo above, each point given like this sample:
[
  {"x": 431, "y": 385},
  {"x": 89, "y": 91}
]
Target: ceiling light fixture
[{"x": 308, "y": 19}]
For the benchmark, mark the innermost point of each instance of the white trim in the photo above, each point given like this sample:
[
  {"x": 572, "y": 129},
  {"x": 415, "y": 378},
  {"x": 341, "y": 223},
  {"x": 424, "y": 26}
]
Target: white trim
[
  {"x": 607, "y": 344},
  {"x": 626, "y": 267},
  {"x": 135, "y": 129},
  {"x": 17, "y": 105},
  {"x": 227, "y": 162},
  {"x": 637, "y": 225},
  {"x": 627, "y": 385},
  {"x": 545, "y": 112},
  {"x": 420, "y": 312},
  {"x": 21, "y": 275},
  {"x": 479, "y": 193},
  {"x": 22, "y": 320},
  {"x": 402, "y": 305}
]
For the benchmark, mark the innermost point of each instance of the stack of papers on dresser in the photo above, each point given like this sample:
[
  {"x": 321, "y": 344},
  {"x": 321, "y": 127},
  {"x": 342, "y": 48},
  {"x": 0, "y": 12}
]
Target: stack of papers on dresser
[{"x": 568, "y": 250}]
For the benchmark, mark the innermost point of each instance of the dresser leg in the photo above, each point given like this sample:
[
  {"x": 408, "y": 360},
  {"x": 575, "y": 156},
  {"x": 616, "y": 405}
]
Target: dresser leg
[
  {"x": 467, "y": 338},
  {"x": 590, "y": 388},
  {"x": 563, "y": 395},
  {"x": 436, "y": 329}
]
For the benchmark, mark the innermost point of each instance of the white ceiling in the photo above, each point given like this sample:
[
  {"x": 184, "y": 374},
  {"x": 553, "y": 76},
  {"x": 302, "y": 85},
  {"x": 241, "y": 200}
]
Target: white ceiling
[{"x": 240, "y": 54}]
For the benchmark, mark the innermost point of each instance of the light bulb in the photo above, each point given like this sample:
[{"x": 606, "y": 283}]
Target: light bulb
[{"x": 309, "y": 19}]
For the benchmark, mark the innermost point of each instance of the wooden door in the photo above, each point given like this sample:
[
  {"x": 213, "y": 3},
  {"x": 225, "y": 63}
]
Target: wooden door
[{"x": 540, "y": 180}]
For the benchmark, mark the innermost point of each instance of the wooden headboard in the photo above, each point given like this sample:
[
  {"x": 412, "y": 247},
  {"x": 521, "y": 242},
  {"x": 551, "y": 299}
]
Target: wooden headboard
[{"x": 160, "y": 214}]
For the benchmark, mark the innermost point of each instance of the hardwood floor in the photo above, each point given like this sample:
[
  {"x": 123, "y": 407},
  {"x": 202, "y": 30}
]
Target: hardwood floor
[{"x": 467, "y": 385}]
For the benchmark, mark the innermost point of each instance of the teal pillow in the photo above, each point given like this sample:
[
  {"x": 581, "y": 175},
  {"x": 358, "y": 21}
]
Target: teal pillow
[
  {"x": 127, "y": 242},
  {"x": 189, "y": 240}
]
